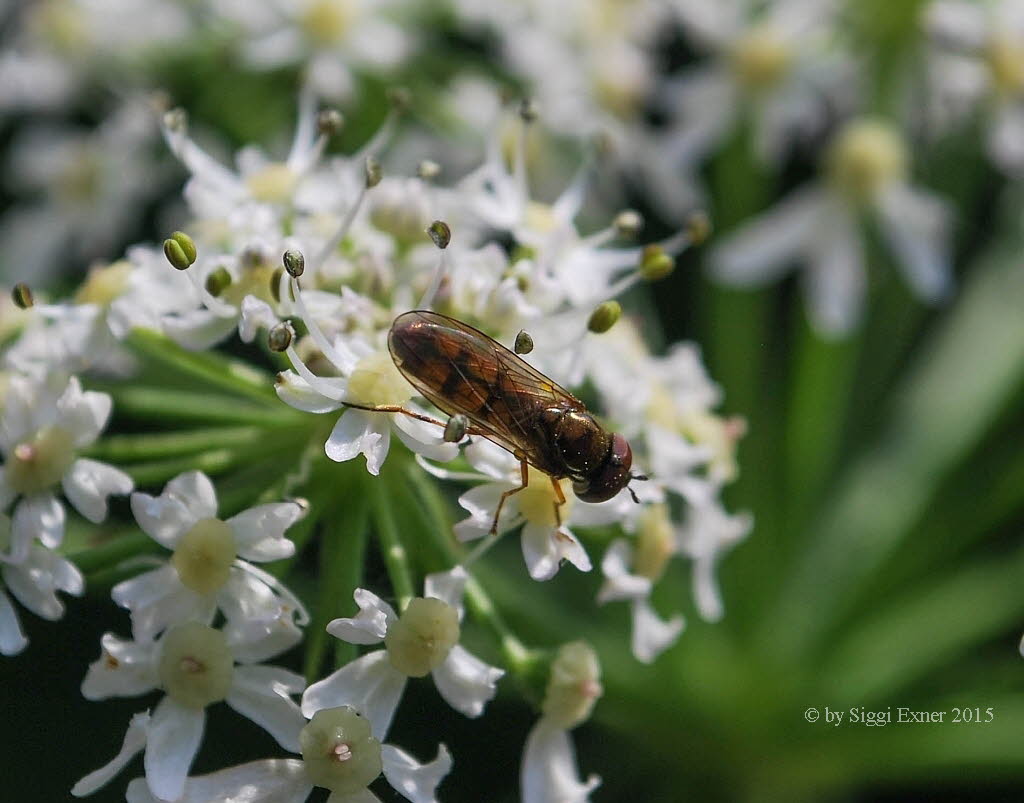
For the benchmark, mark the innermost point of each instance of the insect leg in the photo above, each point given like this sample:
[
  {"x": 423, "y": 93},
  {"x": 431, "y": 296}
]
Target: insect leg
[
  {"x": 559, "y": 501},
  {"x": 524, "y": 469},
  {"x": 395, "y": 408}
]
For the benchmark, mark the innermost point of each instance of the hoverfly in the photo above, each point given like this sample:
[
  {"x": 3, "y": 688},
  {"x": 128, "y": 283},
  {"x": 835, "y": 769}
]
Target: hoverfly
[{"x": 462, "y": 371}]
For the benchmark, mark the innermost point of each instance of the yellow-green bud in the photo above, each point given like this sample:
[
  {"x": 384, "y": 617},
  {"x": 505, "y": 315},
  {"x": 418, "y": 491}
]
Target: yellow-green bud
[
  {"x": 628, "y": 223},
  {"x": 655, "y": 264},
  {"x": 218, "y": 281},
  {"x": 203, "y": 556},
  {"x": 604, "y": 317},
  {"x": 422, "y": 637},
  {"x": 294, "y": 262},
  {"x": 373, "y": 172},
  {"x": 21, "y": 295},
  {"x": 280, "y": 337},
  {"x": 524, "y": 343},
  {"x": 574, "y": 685},
  {"x": 455, "y": 429},
  {"x": 339, "y": 750},
  {"x": 698, "y": 227},
  {"x": 440, "y": 233},
  {"x": 180, "y": 250},
  {"x": 196, "y": 666},
  {"x": 329, "y": 122}
]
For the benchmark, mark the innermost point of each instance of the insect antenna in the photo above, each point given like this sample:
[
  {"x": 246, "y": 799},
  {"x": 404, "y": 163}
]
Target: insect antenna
[{"x": 642, "y": 477}]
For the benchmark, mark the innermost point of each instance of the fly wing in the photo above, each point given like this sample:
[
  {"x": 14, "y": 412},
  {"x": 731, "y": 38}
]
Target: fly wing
[{"x": 461, "y": 370}]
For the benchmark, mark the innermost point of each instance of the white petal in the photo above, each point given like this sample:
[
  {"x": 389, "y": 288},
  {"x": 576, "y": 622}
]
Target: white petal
[
  {"x": 199, "y": 329},
  {"x": 705, "y": 589},
  {"x": 483, "y": 500},
  {"x": 163, "y": 519},
  {"x": 370, "y": 625},
  {"x": 369, "y": 684},
  {"x": 259, "y": 531},
  {"x": 620, "y": 583},
  {"x": 360, "y": 432},
  {"x": 917, "y": 227},
  {"x": 275, "y": 780},
  {"x": 256, "y": 315},
  {"x": 35, "y": 582},
  {"x": 466, "y": 682},
  {"x": 766, "y": 246},
  {"x": 652, "y": 635},
  {"x": 84, "y": 414},
  {"x": 88, "y": 483},
  {"x": 447, "y": 586},
  {"x": 12, "y": 639},
  {"x": 835, "y": 277},
  {"x": 174, "y": 736},
  {"x": 548, "y": 773},
  {"x": 39, "y": 516},
  {"x": 261, "y": 694},
  {"x": 295, "y": 391},
  {"x": 416, "y": 782},
  {"x": 254, "y": 640},
  {"x": 124, "y": 669},
  {"x": 196, "y": 492},
  {"x": 362, "y": 796},
  {"x": 423, "y": 438},
  {"x": 1004, "y": 138},
  {"x": 544, "y": 548},
  {"x": 134, "y": 741}
]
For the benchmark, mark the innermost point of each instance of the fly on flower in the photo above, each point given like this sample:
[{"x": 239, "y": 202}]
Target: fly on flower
[{"x": 462, "y": 371}]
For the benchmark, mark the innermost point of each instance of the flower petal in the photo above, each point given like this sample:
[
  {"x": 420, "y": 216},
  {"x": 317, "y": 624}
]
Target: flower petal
[
  {"x": 134, "y": 741},
  {"x": 416, "y": 782},
  {"x": 261, "y": 693},
  {"x": 423, "y": 438},
  {"x": 39, "y": 516},
  {"x": 545, "y": 547},
  {"x": 834, "y": 280},
  {"x": 88, "y": 483},
  {"x": 83, "y": 414},
  {"x": 447, "y": 586},
  {"x": 173, "y": 741},
  {"x": 369, "y": 684},
  {"x": 651, "y": 634},
  {"x": 370, "y": 625},
  {"x": 274, "y": 780},
  {"x": 259, "y": 531},
  {"x": 620, "y": 583},
  {"x": 124, "y": 669},
  {"x": 360, "y": 432},
  {"x": 12, "y": 638},
  {"x": 548, "y": 773},
  {"x": 466, "y": 682}
]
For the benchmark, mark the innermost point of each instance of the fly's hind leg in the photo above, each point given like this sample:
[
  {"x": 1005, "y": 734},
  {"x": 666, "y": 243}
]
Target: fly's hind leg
[
  {"x": 395, "y": 408},
  {"x": 524, "y": 469},
  {"x": 559, "y": 501}
]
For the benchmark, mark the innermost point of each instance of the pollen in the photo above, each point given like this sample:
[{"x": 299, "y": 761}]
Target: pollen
[{"x": 375, "y": 380}]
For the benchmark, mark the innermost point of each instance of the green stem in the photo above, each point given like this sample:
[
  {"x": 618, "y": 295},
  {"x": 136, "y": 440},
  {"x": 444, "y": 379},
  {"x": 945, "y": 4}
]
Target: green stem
[
  {"x": 210, "y": 369},
  {"x": 179, "y": 405},
  {"x": 151, "y": 446},
  {"x": 109, "y": 554},
  {"x": 396, "y": 558}
]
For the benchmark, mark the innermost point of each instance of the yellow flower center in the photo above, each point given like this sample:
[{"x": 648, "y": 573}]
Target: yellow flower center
[
  {"x": 273, "y": 184},
  {"x": 204, "y": 555},
  {"x": 339, "y": 751},
  {"x": 41, "y": 462},
  {"x": 760, "y": 58},
  {"x": 574, "y": 685},
  {"x": 865, "y": 157},
  {"x": 196, "y": 667},
  {"x": 655, "y": 543},
  {"x": 104, "y": 283},
  {"x": 1005, "y": 58},
  {"x": 421, "y": 639},
  {"x": 326, "y": 21},
  {"x": 537, "y": 501},
  {"x": 376, "y": 381}
]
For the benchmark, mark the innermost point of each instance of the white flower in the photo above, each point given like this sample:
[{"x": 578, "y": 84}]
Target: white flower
[
  {"x": 34, "y": 582},
  {"x": 424, "y": 639},
  {"x": 708, "y": 531},
  {"x": 195, "y": 666},
  {"x": 548, "y": 773},
  {"x": 339, "y": 753},
  {"x": 210, "y": 569},
  {"x": 818, "y": 226},
  {"x": 42, "y": 426}
]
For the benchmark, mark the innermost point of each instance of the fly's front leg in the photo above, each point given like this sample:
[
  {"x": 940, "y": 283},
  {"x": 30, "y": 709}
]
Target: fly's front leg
[
  {"x": 524, "y": 469},
  {"x": 559, "y": 501},
  {"x": 395, "y": 408}
]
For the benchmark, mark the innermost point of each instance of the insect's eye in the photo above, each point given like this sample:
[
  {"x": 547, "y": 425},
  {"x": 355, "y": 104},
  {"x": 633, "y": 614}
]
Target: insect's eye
[{"x": 611, "y": 477}]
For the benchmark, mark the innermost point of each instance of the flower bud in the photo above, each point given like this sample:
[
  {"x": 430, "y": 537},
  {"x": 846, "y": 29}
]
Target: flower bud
[
  {"x": 655, "y": 264},
  {"x": 440, "y": 233},
  {"x": 21, "y": 295},
  {"x": 218, "y": 281},
  {"x": 455, "y": 429},
  {"x": 294, "y": 262},
  {"x": 574, "y": 685},
  {"x": 604, "y": 317},
  {"x": 180, "y": 250},
  {"x": 524, "y": 343}
]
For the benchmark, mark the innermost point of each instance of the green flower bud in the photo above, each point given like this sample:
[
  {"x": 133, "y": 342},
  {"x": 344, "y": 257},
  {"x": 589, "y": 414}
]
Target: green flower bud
[
  {"x": 21, "y": 295},
  {"x": 180, "y": 250},
  {"x": 604, "y": 317},
  {"x": 203, "y": 556},
  {"x": 574, "y": 685},
  {"x": 524, "y": 343},
  {"x": 339, "y": 750},
  {"x": 294, "y": 263},
  {"x": 196, "y": 667},
  {"x": 440, "y": 233},
  {"x": 655, "y": 264},
  {"x": 423, "y": 636}
]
